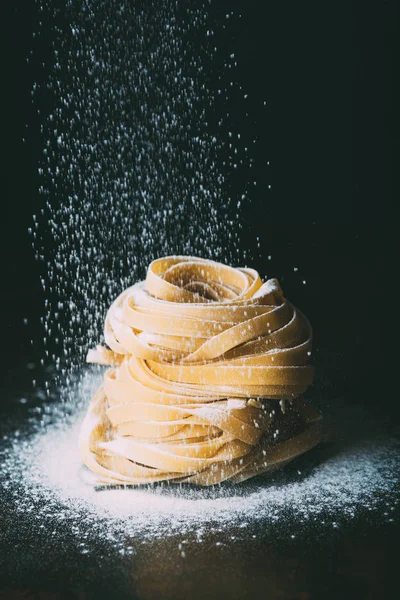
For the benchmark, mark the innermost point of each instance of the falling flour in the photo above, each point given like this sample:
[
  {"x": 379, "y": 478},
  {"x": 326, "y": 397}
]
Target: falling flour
[{"x": 136, "y": 154}]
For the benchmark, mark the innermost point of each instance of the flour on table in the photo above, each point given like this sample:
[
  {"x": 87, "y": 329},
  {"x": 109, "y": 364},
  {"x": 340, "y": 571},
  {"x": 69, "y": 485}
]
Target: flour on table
[{"x": 43, "y": 470}]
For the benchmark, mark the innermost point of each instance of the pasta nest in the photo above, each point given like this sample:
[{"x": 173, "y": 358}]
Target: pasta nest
[{"x": 207, "y": 367}]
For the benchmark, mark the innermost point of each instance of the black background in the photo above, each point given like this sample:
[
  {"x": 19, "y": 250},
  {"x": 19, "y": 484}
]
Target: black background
[
  {"x": 326, "y": 73},
  {"x": 325, "y": 69}
]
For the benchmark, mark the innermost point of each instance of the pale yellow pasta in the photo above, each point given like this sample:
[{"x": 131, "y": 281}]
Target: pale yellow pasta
[{"x": 207, "y": 365}]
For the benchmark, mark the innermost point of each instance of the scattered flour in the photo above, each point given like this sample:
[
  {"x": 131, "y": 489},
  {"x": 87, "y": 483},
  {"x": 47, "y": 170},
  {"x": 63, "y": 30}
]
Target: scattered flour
[{"x": 44, "y": 475}]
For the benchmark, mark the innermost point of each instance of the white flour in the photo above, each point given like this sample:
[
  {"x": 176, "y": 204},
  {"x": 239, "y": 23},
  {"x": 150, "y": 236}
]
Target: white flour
[{"x": 46, "y": 479}]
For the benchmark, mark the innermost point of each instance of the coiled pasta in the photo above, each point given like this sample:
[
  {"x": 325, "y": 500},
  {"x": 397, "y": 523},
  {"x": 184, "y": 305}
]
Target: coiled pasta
[{"x": 207, "y": 367}]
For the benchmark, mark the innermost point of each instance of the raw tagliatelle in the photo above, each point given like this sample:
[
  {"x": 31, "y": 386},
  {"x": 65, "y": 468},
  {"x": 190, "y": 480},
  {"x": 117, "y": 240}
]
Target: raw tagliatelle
[{"x": 208, "y": 365}]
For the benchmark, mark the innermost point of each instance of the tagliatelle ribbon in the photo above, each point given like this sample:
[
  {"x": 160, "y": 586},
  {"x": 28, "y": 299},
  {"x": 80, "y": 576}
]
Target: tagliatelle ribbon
[{"x": 200, "y": 353}]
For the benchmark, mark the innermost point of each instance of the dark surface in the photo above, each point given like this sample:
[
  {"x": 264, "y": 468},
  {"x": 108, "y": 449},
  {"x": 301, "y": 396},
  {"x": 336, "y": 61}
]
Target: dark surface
[
  {"x": 356, "y": 562},
  {"x": 327, "y": 78}
]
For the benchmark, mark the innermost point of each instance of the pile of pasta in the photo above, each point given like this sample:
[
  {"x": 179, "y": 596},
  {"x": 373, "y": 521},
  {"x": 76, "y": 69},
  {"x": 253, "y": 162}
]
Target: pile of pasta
[{"x": 207, "y": 367}]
